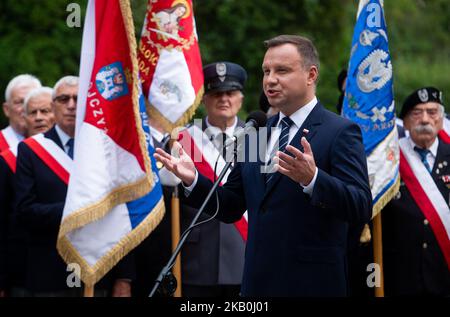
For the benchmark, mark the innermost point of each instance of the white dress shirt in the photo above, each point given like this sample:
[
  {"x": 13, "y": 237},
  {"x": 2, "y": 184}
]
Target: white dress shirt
[
  {"x": 64, "y": 137},
  {"x": 431, "y": 156},
  {"x": 298, "y": 118}
]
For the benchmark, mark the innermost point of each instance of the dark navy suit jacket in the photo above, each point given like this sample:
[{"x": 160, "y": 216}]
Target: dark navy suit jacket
[
  {"x": 12, "y": 234},
  {"x": 410, "y": 269},
  {"x": 5, "y": 211},
  {"x": 40, "y": 197},
  {"x": 297, "y": 243}
]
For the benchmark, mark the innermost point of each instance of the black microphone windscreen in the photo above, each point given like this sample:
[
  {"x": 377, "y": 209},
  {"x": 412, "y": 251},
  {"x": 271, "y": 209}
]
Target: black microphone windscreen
[{"x": 258, "y": 117}]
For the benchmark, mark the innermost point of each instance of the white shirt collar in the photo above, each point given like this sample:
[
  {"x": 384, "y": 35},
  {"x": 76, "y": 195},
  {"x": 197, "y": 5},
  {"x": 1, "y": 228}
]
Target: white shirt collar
[
  {"x": 215, "y": 130},
  {"x": 301, "y": 114},
  {"x": 19, "y": 136},
  {"x": 63, "y": 136},
  {"x": 433, "y": 148},
  {"x": 158, "y": 136}
]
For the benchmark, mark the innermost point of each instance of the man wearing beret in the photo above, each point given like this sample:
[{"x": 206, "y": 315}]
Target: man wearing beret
[
  {"x": 213, "y": 256},
  {"x": 416, "y": 223}
]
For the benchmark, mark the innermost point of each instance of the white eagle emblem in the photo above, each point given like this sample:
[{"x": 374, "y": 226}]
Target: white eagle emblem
[
  {"x": 423, "y": 95},
  {"x": 110, "y": 81},
  {"x": 374, "y": 72},
  {"x": 221, "y": 70}
]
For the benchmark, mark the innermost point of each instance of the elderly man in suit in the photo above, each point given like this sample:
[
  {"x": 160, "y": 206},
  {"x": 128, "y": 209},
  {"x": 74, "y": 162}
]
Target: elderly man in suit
[
  {"x": 11, "y": 255},
  {"x": 416, "y": 223},
  {"x": 40, "y": 197},
  {"x": 298, "y": 213}
]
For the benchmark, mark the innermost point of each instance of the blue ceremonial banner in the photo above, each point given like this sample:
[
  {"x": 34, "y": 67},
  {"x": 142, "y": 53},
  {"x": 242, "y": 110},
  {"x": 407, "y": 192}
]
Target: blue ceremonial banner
[{"x": 369, "y": 100}]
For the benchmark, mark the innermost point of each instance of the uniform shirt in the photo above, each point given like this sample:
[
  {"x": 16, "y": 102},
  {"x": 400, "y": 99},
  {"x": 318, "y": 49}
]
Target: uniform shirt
[{"x": 431, "y": 156}]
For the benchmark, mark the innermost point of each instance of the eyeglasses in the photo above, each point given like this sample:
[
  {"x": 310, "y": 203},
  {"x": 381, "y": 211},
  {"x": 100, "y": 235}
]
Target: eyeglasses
[
  {"x": 66, "y": 98},
  {"x": 432, "y": 113}
]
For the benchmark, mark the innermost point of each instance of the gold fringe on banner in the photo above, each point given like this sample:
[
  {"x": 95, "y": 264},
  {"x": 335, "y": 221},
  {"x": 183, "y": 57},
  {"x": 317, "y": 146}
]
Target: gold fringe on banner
[
  {"x": 100, "y": 208},
  {"x": 129, "y": 30},
  {"x": 91, "y": 275},
  {"x": 386, "y": 198},
  {"x": 168, "y": 125}
]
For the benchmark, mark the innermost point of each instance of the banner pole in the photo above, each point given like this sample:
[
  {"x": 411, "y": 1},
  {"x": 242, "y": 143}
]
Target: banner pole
[
  {"x": 378, "y": 252},
  {"x": 175, "y": 212},
  {"x": 88, "y": 291}
]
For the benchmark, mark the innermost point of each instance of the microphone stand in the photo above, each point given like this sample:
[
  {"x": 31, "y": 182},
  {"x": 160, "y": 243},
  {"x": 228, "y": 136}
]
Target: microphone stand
[{"x": 170, "y": 283}]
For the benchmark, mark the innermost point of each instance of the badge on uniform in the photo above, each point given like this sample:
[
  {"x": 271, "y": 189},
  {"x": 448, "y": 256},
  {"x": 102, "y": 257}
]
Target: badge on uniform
[{"x": 446, "y": 180}]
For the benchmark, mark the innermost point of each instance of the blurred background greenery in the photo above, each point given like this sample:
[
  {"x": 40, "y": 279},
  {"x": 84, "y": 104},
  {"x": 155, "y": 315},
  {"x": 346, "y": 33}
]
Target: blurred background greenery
[{"x": 34, "y": 38}]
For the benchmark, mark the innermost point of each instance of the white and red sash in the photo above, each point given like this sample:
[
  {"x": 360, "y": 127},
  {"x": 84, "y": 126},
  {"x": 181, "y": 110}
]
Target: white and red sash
[
  {"x": 443, "y": 135},
  {"x": 8, "y": 139},
  {"x": 52, "y": 155},
  {"x": 10, "y": 159},
  {"x": 204, "y": 154},
  {"x": 427, "y": 196},
  {"x": 8, "y": 147}
]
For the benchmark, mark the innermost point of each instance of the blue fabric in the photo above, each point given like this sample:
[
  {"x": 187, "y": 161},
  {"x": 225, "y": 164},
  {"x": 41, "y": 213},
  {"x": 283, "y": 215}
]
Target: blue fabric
[
  {"x": 283, "y": 141},
  {"x": 369, "y": 91},
  {"x": 297, "y": 243},
  {"x": 139, "y": 209},
  {"x": 70, "y": 144},
  {"x": 423, "y": 155}
]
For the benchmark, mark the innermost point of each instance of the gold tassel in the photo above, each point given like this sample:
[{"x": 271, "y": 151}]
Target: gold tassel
[{"x": 91, "y": 275}]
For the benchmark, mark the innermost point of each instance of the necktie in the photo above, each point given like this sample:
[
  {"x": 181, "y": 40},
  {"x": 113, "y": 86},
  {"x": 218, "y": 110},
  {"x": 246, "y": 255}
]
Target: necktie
[
  {"x": 283, "y": 141},
  {"x": 69, "y": 144},
  {"x": 219, "y": 142},
  {"x": 423, "y": 155}
]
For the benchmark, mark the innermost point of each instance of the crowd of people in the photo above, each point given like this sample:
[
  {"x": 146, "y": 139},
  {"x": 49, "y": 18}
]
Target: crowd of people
[{"x": 302, "y": 215}]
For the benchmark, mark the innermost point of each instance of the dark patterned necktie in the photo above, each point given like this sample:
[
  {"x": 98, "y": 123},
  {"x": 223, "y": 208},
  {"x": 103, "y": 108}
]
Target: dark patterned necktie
[
  {"x": 69, "y": 144},
  {"x": 283, "y": 141},
  {"x": 423, "y": 155}
]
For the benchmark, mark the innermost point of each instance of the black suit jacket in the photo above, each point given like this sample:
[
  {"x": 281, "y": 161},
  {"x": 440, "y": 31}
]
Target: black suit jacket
[
  {"x": 154, "y": 252},
  {"x": 12, "y": 234},
  {"x": 5, "y": 210},
  {"x": 297, "y": 243},
  {"x": 40, "y": 197},
  {"x": 214, "y": 252},
  {"x": 409, "y": 267}
]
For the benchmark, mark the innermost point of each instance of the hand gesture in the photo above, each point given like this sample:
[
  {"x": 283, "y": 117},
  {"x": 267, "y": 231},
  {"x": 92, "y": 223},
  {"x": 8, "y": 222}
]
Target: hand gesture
[
  {"x": 300, "y": 168},
  {"x": 179, "y": 163}
]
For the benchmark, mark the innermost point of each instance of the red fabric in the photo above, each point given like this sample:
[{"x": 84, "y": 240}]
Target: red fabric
[
  {"x": 206, "y": 170},
  {"x": 10, "y": 159},
  {"x": 425, "y": 205},
  {"x": 444, "y": 136},
  {"x": 152, "y": 42},
  {"x": 3, "y": 143},
  {"x": 112, "y": 51}
]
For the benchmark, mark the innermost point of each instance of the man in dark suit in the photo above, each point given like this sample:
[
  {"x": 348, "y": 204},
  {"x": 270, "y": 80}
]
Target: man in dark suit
[
  {"x": 40, "y": 197},
  {"x": 300, "y": 212},
  {"x": 12, "y": 253},
  {"x": 153, "y": 253},
  {"x": 213, "y": 256},
  {"x": 416, "y": 226}
]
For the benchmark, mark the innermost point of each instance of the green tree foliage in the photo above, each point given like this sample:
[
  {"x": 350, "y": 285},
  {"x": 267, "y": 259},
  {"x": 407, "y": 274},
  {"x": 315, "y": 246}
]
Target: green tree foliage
[{"x": 34, "y": 38}]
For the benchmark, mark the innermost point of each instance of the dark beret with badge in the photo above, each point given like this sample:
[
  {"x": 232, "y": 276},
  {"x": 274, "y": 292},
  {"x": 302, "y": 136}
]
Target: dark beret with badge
[
  {"x": 422, "y": 95},
  {"x": 223, "y": 76}
]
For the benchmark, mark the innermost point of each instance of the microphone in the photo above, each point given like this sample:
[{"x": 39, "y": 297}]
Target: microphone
[{"x": 255, "y": 120}]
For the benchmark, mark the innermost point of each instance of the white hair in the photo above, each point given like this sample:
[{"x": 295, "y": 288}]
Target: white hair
[
  {"x": 66, "y": 80},
  {"x": 21, "y": 81},
  {"x": 441, "y": 111},
  {"x": 34, "y": 93}
]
